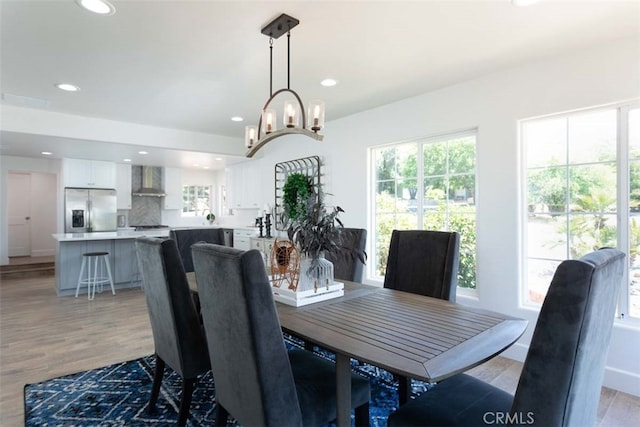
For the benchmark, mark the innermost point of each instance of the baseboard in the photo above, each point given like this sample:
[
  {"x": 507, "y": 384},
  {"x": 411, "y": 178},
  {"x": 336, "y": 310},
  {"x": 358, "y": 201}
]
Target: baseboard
[
  {"x": 616, "y": 379},
  {"x": 623, "y": 381}
]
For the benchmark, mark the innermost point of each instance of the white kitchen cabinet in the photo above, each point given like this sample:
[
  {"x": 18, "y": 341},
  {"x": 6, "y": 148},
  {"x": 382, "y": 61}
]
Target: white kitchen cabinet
[
  {"x": 242, "y": 238},
  {"x": 243, "y": 186},
  {"x": 265, "y": 245},
  {"x": 123, "y": 186},
  {"x": 88, "y": 173},
  {"x": 172, "y": 184}
]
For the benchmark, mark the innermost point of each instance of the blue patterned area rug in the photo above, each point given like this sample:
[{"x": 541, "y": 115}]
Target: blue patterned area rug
[{"x": 118, "y": 395}]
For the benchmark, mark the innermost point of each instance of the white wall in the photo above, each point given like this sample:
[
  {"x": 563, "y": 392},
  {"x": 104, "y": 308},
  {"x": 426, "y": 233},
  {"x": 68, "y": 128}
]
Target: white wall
[
  {"x": 493, "y": 105},
  {"x": 49, "y": 167}
]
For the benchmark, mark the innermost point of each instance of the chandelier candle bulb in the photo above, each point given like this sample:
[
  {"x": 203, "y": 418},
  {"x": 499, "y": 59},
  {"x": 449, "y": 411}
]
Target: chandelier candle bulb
[
  {"x": 291, "y": 118},
  {"x": 269, "y": 118},
  {"x": 249, "y": 136},
  {"x": 316, "y": 115}
]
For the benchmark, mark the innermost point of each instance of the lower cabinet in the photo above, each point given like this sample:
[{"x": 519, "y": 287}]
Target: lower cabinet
[
  {"x": 242, "y": 239},
  {"x": 122, "y": 260},
  {"x": 265, "y": 245}
]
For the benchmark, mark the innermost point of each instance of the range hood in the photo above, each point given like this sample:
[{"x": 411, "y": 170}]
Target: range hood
[{"x": 149, "y": 187}]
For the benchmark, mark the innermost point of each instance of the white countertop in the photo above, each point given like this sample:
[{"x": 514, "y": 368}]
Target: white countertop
[{"x": 107, "y": 235}]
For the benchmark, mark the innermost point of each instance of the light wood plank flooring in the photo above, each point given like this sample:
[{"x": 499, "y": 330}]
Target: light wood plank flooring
[{"x": 43, "y": 336}]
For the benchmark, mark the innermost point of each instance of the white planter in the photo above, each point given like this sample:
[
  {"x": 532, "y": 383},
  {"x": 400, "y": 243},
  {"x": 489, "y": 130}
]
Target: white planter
[{"x": 312, "y": 278}]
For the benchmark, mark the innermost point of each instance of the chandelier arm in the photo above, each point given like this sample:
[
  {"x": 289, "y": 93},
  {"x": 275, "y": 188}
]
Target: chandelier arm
[
  {"x": 281, "y": 132},
  {"x": 302, "y": 112}
]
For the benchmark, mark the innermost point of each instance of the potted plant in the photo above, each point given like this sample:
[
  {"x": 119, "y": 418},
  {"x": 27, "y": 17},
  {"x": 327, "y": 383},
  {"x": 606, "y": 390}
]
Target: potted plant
[
  {"x": 210, "y": 217},
  {"x": 315, "y": 230}
]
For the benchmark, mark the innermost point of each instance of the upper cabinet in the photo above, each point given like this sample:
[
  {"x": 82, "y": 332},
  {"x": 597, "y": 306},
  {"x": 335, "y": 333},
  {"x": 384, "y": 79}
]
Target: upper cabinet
[
  {"x": 243, "y": 186},
  {"x": 88, "y": 173},
  {"x": 123, "y": 186},
  {"x": 172, "y": 184}
]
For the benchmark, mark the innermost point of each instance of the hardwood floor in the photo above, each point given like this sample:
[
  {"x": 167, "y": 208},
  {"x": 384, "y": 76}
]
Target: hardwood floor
[{"x": 43, "y": 336}]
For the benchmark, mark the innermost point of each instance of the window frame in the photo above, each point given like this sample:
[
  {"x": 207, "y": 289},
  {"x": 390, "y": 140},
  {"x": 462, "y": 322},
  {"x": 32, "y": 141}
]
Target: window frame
[
  {"x": 206, "y": 210},
  {"x": 420, "y": 178},
  {"x": 622, "y": 166}
]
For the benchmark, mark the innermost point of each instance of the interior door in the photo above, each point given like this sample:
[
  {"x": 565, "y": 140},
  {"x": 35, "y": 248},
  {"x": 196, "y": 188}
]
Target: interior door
[{"x": 19, "y": 206}]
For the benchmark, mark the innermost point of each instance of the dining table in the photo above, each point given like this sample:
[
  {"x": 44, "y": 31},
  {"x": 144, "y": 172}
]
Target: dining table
[
  {"x": 411, "y": 335},
  {"x": 407, "y": 334}
]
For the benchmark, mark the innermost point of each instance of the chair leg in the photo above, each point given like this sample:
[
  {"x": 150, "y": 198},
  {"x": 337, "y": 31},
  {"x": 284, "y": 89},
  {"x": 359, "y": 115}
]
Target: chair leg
[
  {"x": 362, "y": 415},
  {"x": 185, "y": 402},
  {"x": 157, "y": 380},
  {"x": 404, "y": 389},
  {"x": 221, "y": 415}
]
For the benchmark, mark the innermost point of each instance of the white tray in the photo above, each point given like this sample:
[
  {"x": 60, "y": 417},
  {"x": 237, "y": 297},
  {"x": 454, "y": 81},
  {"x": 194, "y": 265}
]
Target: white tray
[{"x": 298, "y": 299}]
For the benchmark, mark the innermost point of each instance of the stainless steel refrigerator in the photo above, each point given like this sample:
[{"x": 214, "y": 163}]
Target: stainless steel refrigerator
[{"x": 89, "y": 210}]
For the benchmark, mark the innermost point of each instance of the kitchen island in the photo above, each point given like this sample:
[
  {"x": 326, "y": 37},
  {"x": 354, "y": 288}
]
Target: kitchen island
[{"x": 122, "y": 257}]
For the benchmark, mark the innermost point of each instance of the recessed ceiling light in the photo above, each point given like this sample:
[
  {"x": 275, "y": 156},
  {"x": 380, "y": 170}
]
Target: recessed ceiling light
[
  {"x": 205, "y": 167},
  {"x": 68, "y": 87},
  {"x": 329, "y": 82},
  {"x": 126, "y": 160},
  {"x": 237, "y": 119},
  {"x": 47, "y": 153},
  {"x": 143, "y": 152},
  {"x": 101, "y": 7},
  {"x": 218, "y": 158}
]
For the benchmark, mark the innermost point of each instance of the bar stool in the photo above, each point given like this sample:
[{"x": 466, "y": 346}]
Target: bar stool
[{"x": 96, "y": 278}]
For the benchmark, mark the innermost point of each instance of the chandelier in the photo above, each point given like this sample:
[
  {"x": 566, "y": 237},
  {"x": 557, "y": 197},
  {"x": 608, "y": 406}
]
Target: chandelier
[{"x": 295, "y": 119}]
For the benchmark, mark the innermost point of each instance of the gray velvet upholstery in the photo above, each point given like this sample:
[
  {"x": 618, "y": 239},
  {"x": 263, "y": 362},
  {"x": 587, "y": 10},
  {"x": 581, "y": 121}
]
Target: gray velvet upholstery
[
  {"x": 185, "y": 237},
  {"x": 178, "y": 336},
  {"x": 562, "y": 373},
  {"x": 258, "y": 381},
  {"x": 424, "y": 262},
  {"x": 346, "y": 265}
]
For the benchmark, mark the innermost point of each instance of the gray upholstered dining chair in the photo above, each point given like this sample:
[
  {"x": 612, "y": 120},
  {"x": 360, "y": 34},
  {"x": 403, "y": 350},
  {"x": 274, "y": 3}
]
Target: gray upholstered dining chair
[
  {"x": 346, "y": 263},
  {"x": 185, "y": 237},
  {"x": 178, "y": 335},
  {"x": 562, "y": 374},
  {"x": 422, "y": 262},
  {"x": 258, "y": 381}
]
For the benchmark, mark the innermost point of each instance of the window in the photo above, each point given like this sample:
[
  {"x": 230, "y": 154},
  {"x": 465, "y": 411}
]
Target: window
[
  {"x": 426, "y": 185},
  {"x": 196, "y": 200},
  {"x": 582, "y": 174}
]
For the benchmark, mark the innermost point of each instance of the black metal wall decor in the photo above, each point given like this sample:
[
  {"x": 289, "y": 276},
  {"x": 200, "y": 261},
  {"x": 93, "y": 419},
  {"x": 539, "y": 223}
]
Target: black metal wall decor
[{"x": 307, "y": 166}]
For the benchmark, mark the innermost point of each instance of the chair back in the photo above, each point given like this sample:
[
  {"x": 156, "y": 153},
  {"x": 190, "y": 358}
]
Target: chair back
[
  {"x": 562, "y": 373},
  {"x": 424, "y": 262},
  {"x": 346, "y": 264},
  {"x": 254, "y": 382},
  {"x": 177, "y": 334},
  {"x": 185, "y": 237}
]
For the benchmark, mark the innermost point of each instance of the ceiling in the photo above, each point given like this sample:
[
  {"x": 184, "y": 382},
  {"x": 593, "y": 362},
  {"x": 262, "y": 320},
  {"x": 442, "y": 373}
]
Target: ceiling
[{"x": 192, "y": 65}]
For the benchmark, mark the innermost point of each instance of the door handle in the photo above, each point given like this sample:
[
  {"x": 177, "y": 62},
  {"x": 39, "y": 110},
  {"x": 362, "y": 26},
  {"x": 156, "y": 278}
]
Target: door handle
[{"x": 27, "y": 218}]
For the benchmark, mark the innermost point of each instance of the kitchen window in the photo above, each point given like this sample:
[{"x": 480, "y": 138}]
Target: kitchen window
[
  {"x": 582, "y": 189},
  {"x": 428, "y": 184},
  {"x": 196, "y": 200}
]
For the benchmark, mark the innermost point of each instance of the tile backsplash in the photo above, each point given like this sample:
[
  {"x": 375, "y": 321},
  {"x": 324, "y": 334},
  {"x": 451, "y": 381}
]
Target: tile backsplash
[{"x": 144, "y": 210}]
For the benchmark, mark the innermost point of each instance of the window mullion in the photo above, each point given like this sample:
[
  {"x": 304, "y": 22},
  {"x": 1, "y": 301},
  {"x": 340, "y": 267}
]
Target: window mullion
[{"x": 623, "y": 195}]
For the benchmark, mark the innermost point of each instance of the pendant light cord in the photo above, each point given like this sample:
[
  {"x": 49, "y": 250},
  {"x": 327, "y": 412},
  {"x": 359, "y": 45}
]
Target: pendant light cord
[
  {"x": 288, "y": 58},
  {"x": 270, "y": 66}
]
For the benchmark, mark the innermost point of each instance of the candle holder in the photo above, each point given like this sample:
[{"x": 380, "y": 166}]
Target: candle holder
[
  {"x": 260, "y": 225},
  {"x": 267, "y": 223}
]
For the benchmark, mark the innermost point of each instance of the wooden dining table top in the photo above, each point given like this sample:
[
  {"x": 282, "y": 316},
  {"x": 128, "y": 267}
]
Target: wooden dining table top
[
  {"x": 407, "y": 334},
  {"x": 412, "y": 335}
]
